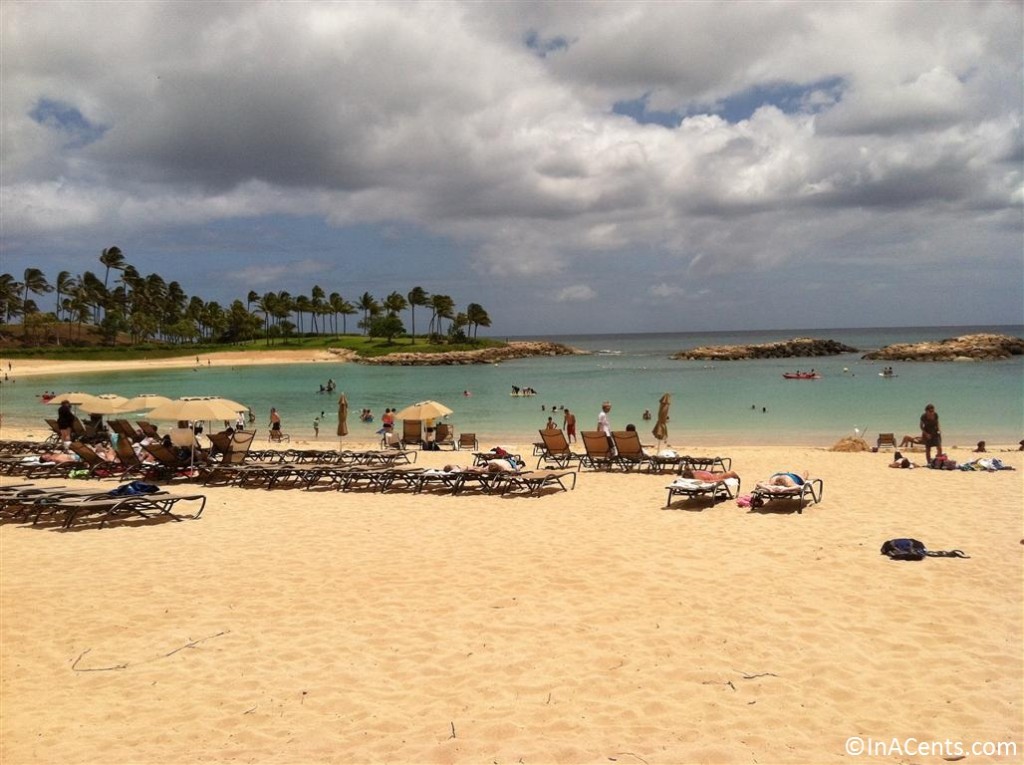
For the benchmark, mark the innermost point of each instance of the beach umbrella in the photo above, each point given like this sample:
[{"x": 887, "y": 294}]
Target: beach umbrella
[
  {"x": 197, "y": 408},
  {"x": 342, "y": 415},
  {"x": 423, "y": 410},
  {"x": 75, "y": 399},
  {"x": 105, "y": 403},
  {"x": 660, "y": 430},
  {"x": 144, "y": 401}
]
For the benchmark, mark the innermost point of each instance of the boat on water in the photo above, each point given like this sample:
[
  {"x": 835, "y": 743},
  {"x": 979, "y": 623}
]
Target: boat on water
[
  {"x": 801, "y": 375},
  {"x": 522, "y": 394}
]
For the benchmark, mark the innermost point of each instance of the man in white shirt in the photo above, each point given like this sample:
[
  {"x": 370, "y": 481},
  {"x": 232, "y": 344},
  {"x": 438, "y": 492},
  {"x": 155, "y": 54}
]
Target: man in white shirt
[{"x": 604, "y": 426}]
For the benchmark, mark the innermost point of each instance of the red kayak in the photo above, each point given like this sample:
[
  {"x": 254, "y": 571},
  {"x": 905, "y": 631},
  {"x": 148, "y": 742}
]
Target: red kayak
[{"x": 801, "y": 376}]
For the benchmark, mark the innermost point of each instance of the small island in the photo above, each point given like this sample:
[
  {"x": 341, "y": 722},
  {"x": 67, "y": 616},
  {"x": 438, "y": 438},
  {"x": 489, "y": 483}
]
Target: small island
[
  {"x": 798, "y": 347},
  {"x": 980, "y": 347},
  {"x": 490, "y": 355}
]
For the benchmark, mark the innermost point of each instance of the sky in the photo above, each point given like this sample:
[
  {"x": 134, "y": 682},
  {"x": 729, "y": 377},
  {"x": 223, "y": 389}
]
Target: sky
[{"x": 572, "y": 167}]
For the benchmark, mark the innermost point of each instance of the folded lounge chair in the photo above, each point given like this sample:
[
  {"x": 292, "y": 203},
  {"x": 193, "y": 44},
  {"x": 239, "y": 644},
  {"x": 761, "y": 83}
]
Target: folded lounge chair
[
  {"x": 886, "y": 441},
  {"x": 808, "y": 492}
]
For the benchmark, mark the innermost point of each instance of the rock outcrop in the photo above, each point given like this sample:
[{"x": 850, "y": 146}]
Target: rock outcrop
[
  {"x": 518, "y": 350},
  {"x": 785, "y": 349},
  {"x": 981, "y": 347}
]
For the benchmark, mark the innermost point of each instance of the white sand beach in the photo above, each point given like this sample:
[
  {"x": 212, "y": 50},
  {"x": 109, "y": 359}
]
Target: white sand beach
[{"x": 585, "y": 626}]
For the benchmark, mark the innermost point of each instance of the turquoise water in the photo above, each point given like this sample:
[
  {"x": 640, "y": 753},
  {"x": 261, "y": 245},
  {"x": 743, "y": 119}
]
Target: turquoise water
[{"x": 711, "y": 404}]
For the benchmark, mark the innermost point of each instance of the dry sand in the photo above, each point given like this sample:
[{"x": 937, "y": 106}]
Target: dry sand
[
  {"x": 34, "y": 367},
  {"x": 592, "y": 626}
]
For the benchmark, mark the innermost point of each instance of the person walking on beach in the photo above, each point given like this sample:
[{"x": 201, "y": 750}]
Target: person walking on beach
[
  {"x": 931, "y": 434},
  {"x": 569, "y": 421},
  {"x": 604, "y": 426},
  {"x": 316, "y": 427},
  {"x": 275, "y": 424}
]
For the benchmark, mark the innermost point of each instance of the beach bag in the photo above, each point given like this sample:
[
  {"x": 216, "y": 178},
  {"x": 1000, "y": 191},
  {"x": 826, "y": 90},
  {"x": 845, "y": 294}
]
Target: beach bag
[
  {"x": 133, "y": 489},
  {"x": 914, "y": 549}
]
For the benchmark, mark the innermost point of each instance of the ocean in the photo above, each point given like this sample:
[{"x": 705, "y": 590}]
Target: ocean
[{"x": 745, "y": 402}]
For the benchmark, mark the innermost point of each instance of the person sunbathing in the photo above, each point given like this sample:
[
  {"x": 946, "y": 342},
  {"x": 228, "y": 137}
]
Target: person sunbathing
[
  {"x": 790, "y": 480},
  {"x": 911, "y": 441},
  {"x": 899, "y": 461},
  {"x": 708, "y": 477}
]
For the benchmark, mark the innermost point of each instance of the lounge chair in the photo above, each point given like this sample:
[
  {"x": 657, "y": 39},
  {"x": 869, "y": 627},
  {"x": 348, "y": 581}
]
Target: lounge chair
[
  {"x": 123, "y": 429},
  {"x": 809, "y": 492},
  {"x": 279, "y": 437},
  {"x": 629, "y": 451},
  {"x": 693, "y": 488},
  {"x": 886, "y": 441},
  {"x": 96, "y": 465},
  {"x": 533, "y": 482},
  {"x": 557, "y": 451},
  {"x": 468, "y": 441},
  {"x": 711, "y": 464},
  {"x": 443, "y": 436},
  {"x": 148, "y": 429},
  {"x": 412, "y": 433},
  {"x": 599, "y": 450}
]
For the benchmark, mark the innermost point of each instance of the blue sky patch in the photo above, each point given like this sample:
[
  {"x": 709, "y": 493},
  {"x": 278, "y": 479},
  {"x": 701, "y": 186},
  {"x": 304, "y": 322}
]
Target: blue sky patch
[
  {"x": 67, "y": 120},
  {"x": 788, "y": 97},
  {"x": 541, "y": 46}
]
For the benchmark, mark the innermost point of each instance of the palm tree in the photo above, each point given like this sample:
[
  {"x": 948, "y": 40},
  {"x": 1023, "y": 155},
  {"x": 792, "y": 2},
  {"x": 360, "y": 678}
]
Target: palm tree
[
  {"x": 302, "y": 305},
  {"x": 368, "y": 304},
  {"x": 111, "y": 257},
  {"x": 10, "y": 296},
  {"x": 347, "y": 309},
  {"x": 477, "y": 317},
  {"x": 443, "y": 307},
  {"x": 34, "y": 282},
  {"x": 317, "y": 305},
  {"x": 417, "y": 297},
  {"x": 395, "y": 303},
  {"x": 65, "y": 283},
  {"x": 252, "y": 297}
]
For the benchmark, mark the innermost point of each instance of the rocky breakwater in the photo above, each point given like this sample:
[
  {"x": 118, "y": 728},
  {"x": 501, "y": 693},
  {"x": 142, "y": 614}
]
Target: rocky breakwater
[
  {"x": 784, "y": 349},
  {"x": 981, "y": 347},
  {"x": 519, "y": 350}
]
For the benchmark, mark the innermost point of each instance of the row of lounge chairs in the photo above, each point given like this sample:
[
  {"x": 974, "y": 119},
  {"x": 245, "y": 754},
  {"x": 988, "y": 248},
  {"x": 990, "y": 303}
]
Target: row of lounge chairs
[
  {"x": 809, "y": 492},
  {"x": 23, "y": 502},
  {"x": 442, "y": 437},
  {"x": 628, "y": 454}
]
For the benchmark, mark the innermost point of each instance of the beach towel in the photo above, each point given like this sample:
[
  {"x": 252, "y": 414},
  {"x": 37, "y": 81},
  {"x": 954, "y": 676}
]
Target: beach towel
[
  {"x": 906, "y": 548},
  {"x": 133, "y": 489}
]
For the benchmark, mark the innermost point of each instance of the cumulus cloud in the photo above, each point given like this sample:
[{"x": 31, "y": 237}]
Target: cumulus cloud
[{"x": 495, "y": 125}]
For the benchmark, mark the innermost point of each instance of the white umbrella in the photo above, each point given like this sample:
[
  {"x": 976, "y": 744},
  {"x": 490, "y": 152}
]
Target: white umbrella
[
  {"x": 423, "y": 410},
  {"x": 105, "y": 403},
  {"x": 209, "y": 408},
  {"x": 144, "y": 401},
  {"x": 75, "y": 399}
]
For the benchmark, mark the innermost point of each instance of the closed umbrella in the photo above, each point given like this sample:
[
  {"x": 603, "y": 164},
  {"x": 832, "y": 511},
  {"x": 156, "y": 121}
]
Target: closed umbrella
[
  {"x": 660, "y": 430},
  {"x": 423, "y": 410},
  {"x": 342, "y": 415}
]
